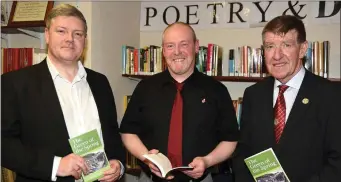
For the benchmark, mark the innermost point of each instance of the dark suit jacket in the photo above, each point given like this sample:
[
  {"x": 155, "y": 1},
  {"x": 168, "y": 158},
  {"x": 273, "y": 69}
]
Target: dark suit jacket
[
  {"x": 310, "y": 147},
  {"x": 33, "y": 129}
]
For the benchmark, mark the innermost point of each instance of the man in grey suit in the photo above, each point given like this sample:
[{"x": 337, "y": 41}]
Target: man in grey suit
[{"x": 293, "y": 111}]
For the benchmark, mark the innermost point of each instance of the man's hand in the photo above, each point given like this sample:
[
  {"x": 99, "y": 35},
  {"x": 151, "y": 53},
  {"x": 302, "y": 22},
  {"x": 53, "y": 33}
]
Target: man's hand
[
  {"x": 112, "y": 174},
  {"x": 199, "y": 165},
  {"x": 72, "y": 165},
  {"x": 153, "y": 168}
]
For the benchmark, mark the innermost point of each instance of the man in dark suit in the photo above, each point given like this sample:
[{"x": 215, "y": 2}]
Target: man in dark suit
[
  {"x": 305, "y": 134},
  {"x": 46, "y": 104}
]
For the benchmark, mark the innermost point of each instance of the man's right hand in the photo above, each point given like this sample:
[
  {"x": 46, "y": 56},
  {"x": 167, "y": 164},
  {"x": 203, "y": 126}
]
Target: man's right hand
[
  {"x": 153, "y": 168},
  {"x": 72, "y": 165}
]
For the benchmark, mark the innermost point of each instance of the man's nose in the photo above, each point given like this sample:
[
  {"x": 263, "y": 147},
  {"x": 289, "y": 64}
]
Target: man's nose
[
  {"x": 278, "y": 53},
  {"x": 69, "y": 36}
]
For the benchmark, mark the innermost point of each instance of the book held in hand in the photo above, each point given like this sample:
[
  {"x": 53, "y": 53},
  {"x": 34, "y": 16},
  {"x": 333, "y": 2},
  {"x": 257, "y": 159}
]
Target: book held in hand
[
  {"x": 264, "y": 166},
  {"x": 163, "y": 163},
  {"x": 90, "y": 147}
]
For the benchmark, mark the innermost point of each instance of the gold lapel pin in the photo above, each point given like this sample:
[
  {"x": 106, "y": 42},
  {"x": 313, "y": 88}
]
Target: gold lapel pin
[{"x": 305, "y": 101}]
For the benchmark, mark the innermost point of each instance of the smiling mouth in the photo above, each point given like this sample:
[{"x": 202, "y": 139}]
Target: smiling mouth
[
  {"x": 178, "y": 60},
  {"x": 279, "y": 64}
]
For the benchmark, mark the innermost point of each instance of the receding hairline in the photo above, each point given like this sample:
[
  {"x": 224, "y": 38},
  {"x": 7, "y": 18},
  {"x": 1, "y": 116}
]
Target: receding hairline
[{"x": 180, "y": 24}]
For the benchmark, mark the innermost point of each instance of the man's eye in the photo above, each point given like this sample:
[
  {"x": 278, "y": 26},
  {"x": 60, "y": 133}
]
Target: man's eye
[
  {"x": 61, "y": 31},
  {"x": 287, "y": 45},
  {"x": 78, "y": 34},
  {"x": 268, "y": 46},
  {"x": 184, "y": 45}
]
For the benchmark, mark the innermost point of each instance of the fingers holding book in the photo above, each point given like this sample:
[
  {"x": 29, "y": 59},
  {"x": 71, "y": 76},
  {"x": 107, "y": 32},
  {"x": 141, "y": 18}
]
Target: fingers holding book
[
  {"x": 199, "y": 167},
  {"x": 72, "y": 165},
  {"x": 112, "y": 174}
]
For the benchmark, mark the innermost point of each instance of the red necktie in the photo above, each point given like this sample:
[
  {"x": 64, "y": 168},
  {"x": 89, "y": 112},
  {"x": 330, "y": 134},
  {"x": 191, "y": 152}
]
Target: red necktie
[
  {"x": 279, "y": 111},
  {"x": 175, "y": 130}
]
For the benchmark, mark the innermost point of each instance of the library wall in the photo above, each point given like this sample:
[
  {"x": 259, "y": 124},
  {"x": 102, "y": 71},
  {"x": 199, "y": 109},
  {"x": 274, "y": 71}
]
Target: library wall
[{"x": 233, "y": 38}]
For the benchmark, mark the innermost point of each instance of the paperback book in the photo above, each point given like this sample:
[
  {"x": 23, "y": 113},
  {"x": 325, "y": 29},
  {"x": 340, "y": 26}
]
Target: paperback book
[
  {"x": 264, "y": 166},
  {"x": 90, "y": 147},
  {"x": 163, "y": 163}
]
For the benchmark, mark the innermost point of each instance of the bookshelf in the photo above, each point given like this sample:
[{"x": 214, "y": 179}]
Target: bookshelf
[
  {"x": 226, "y": 78},
  {"x": 13, "y": 29}
]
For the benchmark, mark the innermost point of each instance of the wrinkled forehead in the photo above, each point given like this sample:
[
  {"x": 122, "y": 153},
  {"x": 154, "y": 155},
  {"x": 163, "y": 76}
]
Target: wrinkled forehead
[{"x": 280, "y": 36}]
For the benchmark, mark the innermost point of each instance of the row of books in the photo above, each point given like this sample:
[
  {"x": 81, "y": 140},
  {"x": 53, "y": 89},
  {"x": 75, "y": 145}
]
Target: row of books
[
  {"x": 149, "y": 60},
  {"x": 209, "y": 60},
  {"x": 247, "y": 62},
  {"x": 142, "y": 61},
  {"x": 244, "y": 61},
  {"x": 317, "y": 58},
  {"x": 16, "y": 58}
]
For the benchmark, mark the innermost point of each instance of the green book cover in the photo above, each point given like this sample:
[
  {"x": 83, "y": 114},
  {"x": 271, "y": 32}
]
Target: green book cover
[
  {"x": 90, "y": 147},
  {"x": 265, "y": 166}
]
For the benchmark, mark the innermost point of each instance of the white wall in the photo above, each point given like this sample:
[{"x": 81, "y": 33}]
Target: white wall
[
  {"x": 232, "y": 38},
  {"x": 112, "y": 27}
]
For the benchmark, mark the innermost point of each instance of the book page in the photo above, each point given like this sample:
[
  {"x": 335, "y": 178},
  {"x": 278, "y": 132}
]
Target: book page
[{"x": 161, "y": 161}]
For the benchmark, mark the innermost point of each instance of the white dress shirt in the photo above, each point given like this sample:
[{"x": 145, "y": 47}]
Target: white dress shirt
[
  {"x": 78, "y": 106},
  {"x": 291, "y": 93}
]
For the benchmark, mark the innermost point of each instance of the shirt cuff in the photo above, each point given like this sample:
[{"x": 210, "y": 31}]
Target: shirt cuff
[
  {"x": 122, "y": 169},
  {"x": 56, "y": 162}
]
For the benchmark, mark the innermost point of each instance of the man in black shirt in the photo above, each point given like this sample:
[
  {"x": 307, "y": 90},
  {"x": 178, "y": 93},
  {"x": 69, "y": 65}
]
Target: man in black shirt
[{"x": 209, "y": 126}]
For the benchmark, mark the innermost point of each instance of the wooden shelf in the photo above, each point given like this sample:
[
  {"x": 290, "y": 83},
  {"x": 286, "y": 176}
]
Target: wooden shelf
[
  {"x": 133, "y": 171},
  {"x": 226, "y": 78},
  {"x": 14, "y": 28}
]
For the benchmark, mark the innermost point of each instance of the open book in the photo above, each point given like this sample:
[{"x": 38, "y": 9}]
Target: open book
[
  {"x": 89, "y": 146},
  {"x": 264, "y": 166},
  {"x": 163, "y": 163}
]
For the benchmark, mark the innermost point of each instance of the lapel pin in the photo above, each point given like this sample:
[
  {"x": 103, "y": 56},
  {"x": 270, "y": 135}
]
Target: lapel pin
[
  {"x": 305, "y": 101},
  {"x": 203, "y": 100}
]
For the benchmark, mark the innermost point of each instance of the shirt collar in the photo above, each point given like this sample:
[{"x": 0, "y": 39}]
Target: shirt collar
[
  {"x": 55, "y": 73},
  {"x": 167, "y": 77},
  {"x": 294, "y": 82}
]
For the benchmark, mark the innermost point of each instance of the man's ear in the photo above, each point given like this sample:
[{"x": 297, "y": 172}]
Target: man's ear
[
  {"x": 303, "y": 49},
  {"x": 47, "y": 37},
  {"x": 196, "y": 46}
]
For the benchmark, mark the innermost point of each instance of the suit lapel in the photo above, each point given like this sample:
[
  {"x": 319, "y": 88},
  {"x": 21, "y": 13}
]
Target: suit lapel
[
  {"x": 53, "y": 110},
  {"x": 268, "y": 111}
]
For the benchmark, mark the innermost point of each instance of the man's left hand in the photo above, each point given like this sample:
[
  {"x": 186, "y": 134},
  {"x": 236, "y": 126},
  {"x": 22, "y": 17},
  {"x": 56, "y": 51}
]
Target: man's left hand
[
  {"x": 199, "y": 166},
  {"x": 112, "y": 174}
]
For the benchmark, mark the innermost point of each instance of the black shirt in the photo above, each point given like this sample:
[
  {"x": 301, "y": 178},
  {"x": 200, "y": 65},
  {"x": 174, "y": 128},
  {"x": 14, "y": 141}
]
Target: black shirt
[{"x": 208, "y": 114}]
